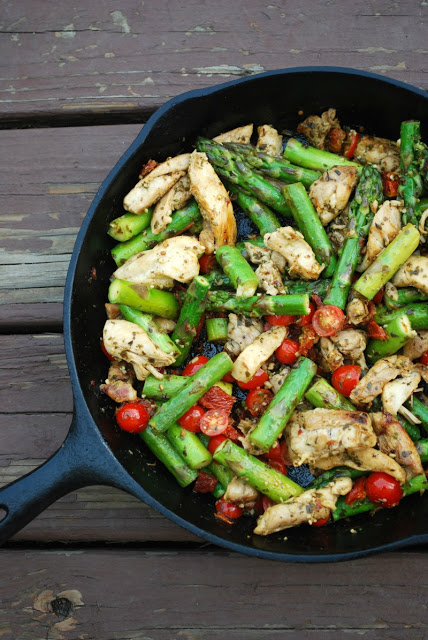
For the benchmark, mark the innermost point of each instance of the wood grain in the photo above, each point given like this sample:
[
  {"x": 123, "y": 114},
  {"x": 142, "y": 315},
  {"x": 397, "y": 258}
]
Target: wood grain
[
  {"x": 125, "y": 58},
  {"x": 168, "y": 595}
]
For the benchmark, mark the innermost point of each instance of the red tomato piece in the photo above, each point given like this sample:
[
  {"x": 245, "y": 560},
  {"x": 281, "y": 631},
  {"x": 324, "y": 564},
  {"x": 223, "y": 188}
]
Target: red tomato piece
[
  {"x": 205, "y": 482},
  {"x": 378, "y": 297},
  {"x": 215, "y": 442},
  {"x": 132, "y": 417},
  {"x": 390, "y": 184},
  {"x": 194, "y": 365},
  {"x": 328, "y": 320},
  {"x": 267, "y": 502},
  {"x": 335, "y": 139},
  {"x": 320, "y": 523},
  {"x": 358, "y": 491},
  {"x": 279, "y": 451},
  {"x": 384, "y": 490},
  {"x": 281, "y": 321},
  {"x": 104, "y": 350},
  {"x": 214, "y": 422},
  {"x": 287, "y": 352},
  {"x": 424, "y": 358},
  {"x": 307, "y": 340},
  {"x": 256, "y": 381},
  {"x": 278, "y": 465},
  {"x": 346, "y": 378},
  {"x": 216, "y": 398},
  {"x": 375, "y": 331},
  {"x": 305, "y": 320},
  {"x": 207, "y": 263},
  {"x": 192, "y": 418},
  {"x": 228, "y": 509},
  {"x": 231, "y": 433},
  {"x": 258, "y": 400},
  {"x": 354, "y": 137},
  {"x": 228, "y": 378}
]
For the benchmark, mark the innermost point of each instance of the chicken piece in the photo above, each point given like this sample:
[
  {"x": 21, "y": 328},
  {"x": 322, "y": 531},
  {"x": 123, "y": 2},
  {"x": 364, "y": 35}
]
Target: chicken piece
[
  {"x": 416, "y": 346},
  {"x": 241, "y": 332},
  {"x": 246, "y": 426},
  {"x": 297, "y": 252},
  {"x": 385, "y": 225},
  {"x": 316, "y": 128},
  {"x": 357, "y": 311},
  {"x": 321, "y": 433},
  {"x": 269, "y": 141},
  {"x": 394, "y": 441},
  {"x": 240, "y": 134},
  {"x": 252, "y": 357},
  {"x": 276, "y": 381},
  {"x": 362, "y": 459},
  {"x": 145, "y": 193},
  {"x": 310, "y": 506},
  {"x": 351, "y": 343},
  {"x": 213, "y": 199},
  {"x": 127, "y": 341},
  {"x": 338, "y": 230},
  {"x": 206, "y": 238},
  {"x": 270, "y": 278},
  {"x": 396, "y": 392},
  {"x": 112, "y": 310},
  {"x": 262, "y": 255},
  {"x": 173, "y": 259},
  {"x": 331, "y": 358},
  {"x": 383, "y": 154},
  {"x": 413, "y": 273},
  {"x": 331, "y": 192},
  {"x": 174, "y": 199},
  {"x": 240, "y": 492},
  {"x": 372, "y": 384},
  {"x": 118, "y": 385}
]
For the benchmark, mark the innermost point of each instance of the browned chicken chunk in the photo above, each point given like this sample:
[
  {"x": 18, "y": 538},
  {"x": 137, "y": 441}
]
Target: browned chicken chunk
[
  {"x": 394, "y": 441},
  {"x": 383, "y": 154},
  {"x": 331, "y": 192},
  {"x": 316, "y": 128},
  {"x": 118, "y": 385}
]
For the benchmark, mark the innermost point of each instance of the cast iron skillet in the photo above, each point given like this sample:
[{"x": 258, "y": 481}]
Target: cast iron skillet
[{"x": 95, "y": 451}]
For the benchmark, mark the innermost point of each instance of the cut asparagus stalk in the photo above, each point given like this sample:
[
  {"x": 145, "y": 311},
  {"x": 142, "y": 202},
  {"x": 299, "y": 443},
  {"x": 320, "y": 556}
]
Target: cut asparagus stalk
[
  {"x": 310, "y": 226},
  {"x": 223, "y": 474},
  {"x": 259, "y": 475},
  {"x": 399, "y": 332},
  {"x": 388, "y": 262},
  {"x": 187, "y": 218},
  {"x": 142, "y": 298},
  {"x": 189, "y": 394},
  {"x": 191, "y": 313},
  {"x": 189, "y": 446},
  {"x": 239, "y": 271},
  {"x": 218, "y": 280},
  {"x": 324, "y": 396},
  {"x": 129, "y": 225},
  {"x": 163, "y": 389},
  {"x": 319, "y": 287},
  {"x": 338, "y": 472},
  {"x": 420, "y": 410},
  {"x": 417, "y": 314},
  {"x": 422, "y": 449},
  {"x": 148, "y": 323},
  {"x": 256, "y": 306},
  {"x": 278, "y": 413},
  {"x": 411, "y": 187},
  {"x": 257, "y": 211},
  {"x": 402, "y": 297},
  {"x": 216, "y": 329},
  {"x": 312, "y": 158},
  {"x": 165, "y": 452}
]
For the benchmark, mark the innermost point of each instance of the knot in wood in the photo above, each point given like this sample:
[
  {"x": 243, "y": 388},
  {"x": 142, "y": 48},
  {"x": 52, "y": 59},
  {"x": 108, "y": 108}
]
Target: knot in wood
[{"x": 62, "y": 607}]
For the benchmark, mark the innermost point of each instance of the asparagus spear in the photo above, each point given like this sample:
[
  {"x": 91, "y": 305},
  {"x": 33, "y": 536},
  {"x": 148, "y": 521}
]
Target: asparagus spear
[
  {"x": 187, "y": 218},
  {"x": 411, "y": 184},
  {"x": 273, "y": 167},
  {"x": 399, "y": 332},
  {"x": 422, "y": 449},
  {"x": 403, "y": 296},
  {"x": 295, "y": 304},
  {"x": 235, "y": 170},
  {"x": 189, "y": 394},
  {"x": 279, "y": 411},
  {"x": 257, "y": 211},
  {"x": 142, "y": 298},
  {"x": 319, "y": 287},
  {"x": 310, "y": 226},
  {"x": 148, "y": 323},
  {"x": 127, "y": 226},
  {"x": 312, "y": 158},
  {"x": 343, "y": 510},
  {"x": 189, "y": 446},
  {"x": 259, "y": 475},
  {"x": 420, "y": 410},
  {"x": 338, "y": 472},
  {"x": 239, "y": 271},
  {"x": 388, "y": 262},
  {"x": 191, "y": 312},
  {"x": 218, "y": 280},
  {"x": 368, "y": 191},
  {"x": 165, "y": 452},
  {"x": 417, "y": 314},
  {"x": 324, "y": 396},
  {"x": 216, "y": 329},
  {"x": 163, "y": 389}
]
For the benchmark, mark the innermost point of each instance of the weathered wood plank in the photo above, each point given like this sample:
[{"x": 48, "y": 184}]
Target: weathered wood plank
[
  {"x": 131, "y": 594},
  {"x": 128, "y": 58}
]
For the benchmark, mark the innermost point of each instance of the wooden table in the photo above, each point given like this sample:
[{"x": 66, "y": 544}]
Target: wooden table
[{"x": 77, "y": 82}]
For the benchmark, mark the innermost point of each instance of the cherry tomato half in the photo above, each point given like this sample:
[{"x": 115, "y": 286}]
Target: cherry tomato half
[
  {"x": 281, "y": 321},
  {"x": 328, "y": 320},
  {"x": 278, "y": 465},
  {"x": 320, "y": 523},
  {"x": 358, "y": 491},
  {"x": 258, "y": 400},
  {"x": 424, "y": 358},
  {"x": 194, "y": 365},
  {"x": 214, "y": 422},
  {"x": 215, "y": 442},
  {"x": 104, "y": 350},
  {"x": 256, "y": 381},
  {"x": 287, "y": 351},
  {"x": 132, "y": 417},
  {"x": 228, "y": 378},
  {"x": 305, "y": 320},
  {"x": 346, "y": 378},
  {"x": 390, "y": 183},
  {"x": 383, "y": 489},
  {"x": 377, "y": 299},
  {"x": 267, "y": 502},
  {"x": 354, "y": 137},
  {"x": 279, "y": 451},
  {"x": 192, "y": 418},
  {"x": 207, "y": 263},
  {"x": 228, "y": 509}
]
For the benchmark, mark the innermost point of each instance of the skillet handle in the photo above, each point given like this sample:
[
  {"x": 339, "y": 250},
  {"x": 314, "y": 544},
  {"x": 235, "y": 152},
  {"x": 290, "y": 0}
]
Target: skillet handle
[{"x": 78, "y": 462}]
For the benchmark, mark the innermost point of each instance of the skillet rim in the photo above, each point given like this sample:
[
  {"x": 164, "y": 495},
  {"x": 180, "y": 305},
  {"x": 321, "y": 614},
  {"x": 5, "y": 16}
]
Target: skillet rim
[{"x": 128, "y": 483}]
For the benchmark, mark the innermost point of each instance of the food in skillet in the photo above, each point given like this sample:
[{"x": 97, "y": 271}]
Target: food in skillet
[{"x": 314, "y": 343}]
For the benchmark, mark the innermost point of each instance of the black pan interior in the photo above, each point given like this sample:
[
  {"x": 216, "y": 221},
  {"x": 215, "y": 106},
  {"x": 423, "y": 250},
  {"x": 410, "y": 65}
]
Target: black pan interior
[{"x": 361, "y": 100}]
